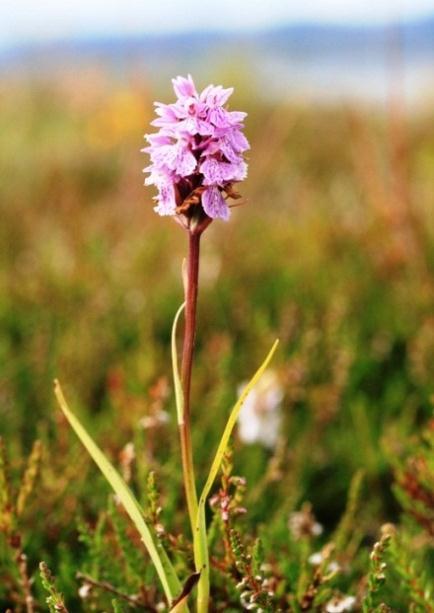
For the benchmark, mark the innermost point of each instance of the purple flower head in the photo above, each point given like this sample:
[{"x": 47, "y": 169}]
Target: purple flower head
[{"x": 197, "y": 153}]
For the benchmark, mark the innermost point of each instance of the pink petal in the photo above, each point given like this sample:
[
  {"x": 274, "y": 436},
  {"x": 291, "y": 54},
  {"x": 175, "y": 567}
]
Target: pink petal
[
  {"x": 184, "y": 87},
  {"x": 166, "y": 199},
  {"x": 214, "y": 204}
]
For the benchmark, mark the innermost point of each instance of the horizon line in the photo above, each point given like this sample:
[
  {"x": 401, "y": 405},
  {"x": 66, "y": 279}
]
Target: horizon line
[{"x": 30, "y": 43}]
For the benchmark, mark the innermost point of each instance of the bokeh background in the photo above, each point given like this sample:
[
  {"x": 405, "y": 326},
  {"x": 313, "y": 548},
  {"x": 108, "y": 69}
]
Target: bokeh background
[{"x": 332, "y": 251}]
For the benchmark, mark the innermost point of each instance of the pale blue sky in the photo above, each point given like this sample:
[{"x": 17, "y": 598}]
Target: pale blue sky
[{"x": 45, "y": 20}]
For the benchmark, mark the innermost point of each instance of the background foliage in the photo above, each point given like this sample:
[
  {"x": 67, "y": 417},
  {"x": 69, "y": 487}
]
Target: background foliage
[{"x": 332, "y": 252}]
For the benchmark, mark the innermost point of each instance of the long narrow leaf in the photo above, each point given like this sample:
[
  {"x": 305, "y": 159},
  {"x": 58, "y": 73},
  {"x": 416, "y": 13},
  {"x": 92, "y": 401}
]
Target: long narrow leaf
[
  {"x": 200, "y": 536},
  {"x": 163, "y": 566},
  {"x": 189, "y": 482},
  {"x": 221, "y": 449},
  {"x": 179, "y": 397}
]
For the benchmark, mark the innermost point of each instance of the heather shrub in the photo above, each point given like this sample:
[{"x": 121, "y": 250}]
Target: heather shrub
[{"x": 322, "y": 499}]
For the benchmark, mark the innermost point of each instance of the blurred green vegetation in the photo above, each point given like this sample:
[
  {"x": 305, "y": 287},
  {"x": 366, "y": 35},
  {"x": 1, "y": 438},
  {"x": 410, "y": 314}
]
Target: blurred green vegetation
[{"x": 332, "y": 251}]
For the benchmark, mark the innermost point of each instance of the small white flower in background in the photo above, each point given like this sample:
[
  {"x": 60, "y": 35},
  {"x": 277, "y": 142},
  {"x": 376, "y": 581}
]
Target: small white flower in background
[
  {"x": 303, "y": 524},
  {"x": 339, "y": 604},
  {"x": 317, "y": 558},
  {"x": 260, "y": 417},
  {"x": 153, "y": 421},
  {"x": 127, "y": 457},
  {"x": 84, "y": 590}
]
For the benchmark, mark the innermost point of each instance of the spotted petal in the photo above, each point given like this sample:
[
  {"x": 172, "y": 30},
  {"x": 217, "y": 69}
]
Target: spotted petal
[{"x": 214, "y": 204}]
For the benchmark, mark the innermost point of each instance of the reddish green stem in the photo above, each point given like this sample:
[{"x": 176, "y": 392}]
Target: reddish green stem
[{"x": 191, "y": 292}]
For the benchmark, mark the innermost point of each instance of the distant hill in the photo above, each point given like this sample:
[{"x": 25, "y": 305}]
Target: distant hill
[
  {"x": 298, "y": 38},
  {"x": 304, "y": 57}
]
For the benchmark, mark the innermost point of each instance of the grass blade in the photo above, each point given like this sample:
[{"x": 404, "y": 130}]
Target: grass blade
[
  {"x": 179, "y": 397},
  {"x": 162, "y": 564},
  {"x": 186, "y": 450},
  {"x": 231, "y": 423},
  {"x": 200, "y": 537}
]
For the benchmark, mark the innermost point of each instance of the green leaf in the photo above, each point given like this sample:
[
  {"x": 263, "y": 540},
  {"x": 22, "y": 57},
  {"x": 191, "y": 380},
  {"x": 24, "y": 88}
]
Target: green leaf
[
  {"x": 221, "y": 449},
  {"x": 162, "y": 564},
  {"x": 188, "y": 471},
  {"x": 200, "y": 537},
  {"x": 179, "y": 397}
]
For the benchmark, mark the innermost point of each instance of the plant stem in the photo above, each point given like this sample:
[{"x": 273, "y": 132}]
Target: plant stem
[
  {"x": 191, "y": 291},
  {"x": 201, "y": 558},
  {"x": 25, "y": 581},
  {"x": 134, "y": 601},
  {"x": 198, "y": 526}
]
